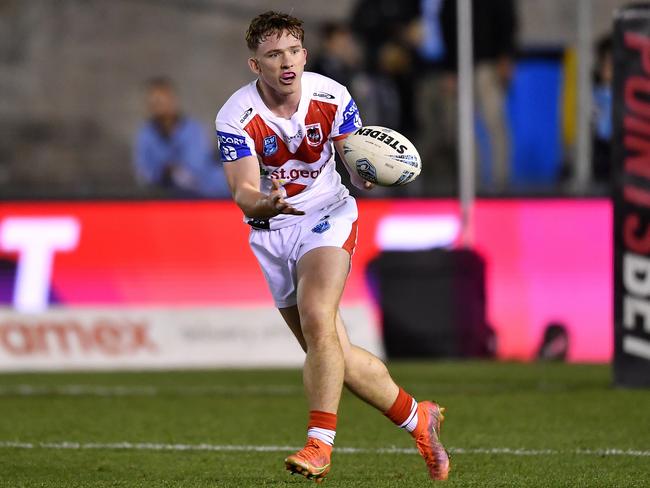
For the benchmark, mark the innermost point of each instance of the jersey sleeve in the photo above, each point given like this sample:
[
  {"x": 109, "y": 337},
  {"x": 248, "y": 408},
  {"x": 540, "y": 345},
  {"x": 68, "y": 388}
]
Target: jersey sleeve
[
  {"x": 233, "y": 141},
  {"x": 347, "y": 118}
]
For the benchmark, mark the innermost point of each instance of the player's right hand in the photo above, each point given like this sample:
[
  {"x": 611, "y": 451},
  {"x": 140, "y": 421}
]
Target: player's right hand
[
  {"x": 360, "y": 183},
  {"x": 278, "y": 203}
]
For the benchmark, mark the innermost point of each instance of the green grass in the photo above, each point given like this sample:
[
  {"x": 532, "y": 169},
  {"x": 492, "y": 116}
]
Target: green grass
[{"x": 489, "y": 405}]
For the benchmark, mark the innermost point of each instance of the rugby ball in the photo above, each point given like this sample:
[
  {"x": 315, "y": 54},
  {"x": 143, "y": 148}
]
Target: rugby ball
[{"x": 382, "y": 156}]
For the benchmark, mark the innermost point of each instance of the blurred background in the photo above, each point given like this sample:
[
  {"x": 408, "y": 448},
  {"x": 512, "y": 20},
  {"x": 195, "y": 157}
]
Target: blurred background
[
  {"x": 73, "y": 84},
  {"x": 119, "y": 246}
]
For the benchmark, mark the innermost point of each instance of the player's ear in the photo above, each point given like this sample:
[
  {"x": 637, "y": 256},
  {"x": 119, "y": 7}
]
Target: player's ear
[{"x": 254, "y": 65}]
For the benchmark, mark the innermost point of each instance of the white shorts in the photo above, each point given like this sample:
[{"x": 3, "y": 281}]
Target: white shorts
[{"x": 278, "y": 251}]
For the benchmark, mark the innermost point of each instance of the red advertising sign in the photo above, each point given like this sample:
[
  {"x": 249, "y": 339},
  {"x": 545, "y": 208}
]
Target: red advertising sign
[{"x": 547, "y": 260}]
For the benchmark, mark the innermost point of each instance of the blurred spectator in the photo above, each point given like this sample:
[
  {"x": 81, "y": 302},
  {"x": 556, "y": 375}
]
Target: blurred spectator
[
  {"x": 389, "y": 33},
  {"x": 339, "y": 57},
  {"x": 602, "y": 105},
  {"x": 371, "y": 83},
  {"x": 436, "y": 110},
  {"x": 173, "y": 151},
  {"x": 494, "y": 32}
]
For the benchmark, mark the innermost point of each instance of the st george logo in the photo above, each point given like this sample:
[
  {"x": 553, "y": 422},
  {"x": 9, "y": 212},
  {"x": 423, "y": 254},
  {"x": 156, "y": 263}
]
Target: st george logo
[{"x": 270, "y": 145}]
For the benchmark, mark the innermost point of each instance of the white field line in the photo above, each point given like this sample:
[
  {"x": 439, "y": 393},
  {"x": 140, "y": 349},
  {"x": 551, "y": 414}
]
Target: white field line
[{"x": 147, "y": 446}]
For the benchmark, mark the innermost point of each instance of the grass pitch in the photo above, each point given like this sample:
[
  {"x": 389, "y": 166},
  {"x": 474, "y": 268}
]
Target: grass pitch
[{"x": 538, "y": 425}]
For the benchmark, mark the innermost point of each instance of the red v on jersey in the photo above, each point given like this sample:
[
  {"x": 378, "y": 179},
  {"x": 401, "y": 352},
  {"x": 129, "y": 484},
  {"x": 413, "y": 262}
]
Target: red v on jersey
[
  {"x": 298, "y": 152},
  {"x": 273, "y": 148}
]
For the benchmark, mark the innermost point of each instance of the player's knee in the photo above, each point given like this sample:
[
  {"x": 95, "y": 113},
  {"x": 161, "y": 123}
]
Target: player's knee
[
  {"x": 317, "y": 320},
  {"x": 319, "y": 338},
  {"x": 322, "y": 339}
]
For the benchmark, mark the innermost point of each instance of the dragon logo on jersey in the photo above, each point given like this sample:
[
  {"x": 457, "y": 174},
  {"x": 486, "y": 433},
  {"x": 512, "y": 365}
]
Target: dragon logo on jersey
[
  {"x": 321, "y": 227},
  {"x": 270, "y": 145},
  {"x": 314, "y": 134}
]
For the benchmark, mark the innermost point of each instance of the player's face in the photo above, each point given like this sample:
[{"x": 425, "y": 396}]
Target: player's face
[{"x": 279, "y": 62}]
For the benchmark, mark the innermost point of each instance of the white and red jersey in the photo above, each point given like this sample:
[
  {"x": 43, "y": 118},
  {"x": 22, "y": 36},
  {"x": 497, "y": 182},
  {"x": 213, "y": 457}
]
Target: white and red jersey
[{"x": 298, "y": 152}]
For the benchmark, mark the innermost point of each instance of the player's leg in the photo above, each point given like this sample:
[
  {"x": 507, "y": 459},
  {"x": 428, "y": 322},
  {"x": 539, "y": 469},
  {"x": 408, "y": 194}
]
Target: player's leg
[
  {"x": 368, "y": 378},
  {"x": 321, "y": 275},
  {"x": 365, "y": 374}
]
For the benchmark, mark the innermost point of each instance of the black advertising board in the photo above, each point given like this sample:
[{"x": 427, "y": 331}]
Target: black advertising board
[{"x": 631, "y": 165}]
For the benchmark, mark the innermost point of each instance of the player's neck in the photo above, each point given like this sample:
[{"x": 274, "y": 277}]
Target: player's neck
[{"x": 281, "y": 105}]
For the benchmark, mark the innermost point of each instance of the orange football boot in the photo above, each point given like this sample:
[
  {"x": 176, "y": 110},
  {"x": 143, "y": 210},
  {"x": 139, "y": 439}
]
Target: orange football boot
[
  {"x": 427, "y": 439},
  {"x": 312, "y": 461}
]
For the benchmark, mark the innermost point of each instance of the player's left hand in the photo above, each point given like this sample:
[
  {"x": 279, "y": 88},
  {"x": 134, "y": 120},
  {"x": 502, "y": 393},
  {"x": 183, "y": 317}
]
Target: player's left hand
[{"x": 278, "y": 203}]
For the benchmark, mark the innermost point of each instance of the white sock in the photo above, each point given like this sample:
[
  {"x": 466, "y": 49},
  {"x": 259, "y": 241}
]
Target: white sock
[
  {"x": 412, "y": 421},
  {"x": 325, "y": 435}
]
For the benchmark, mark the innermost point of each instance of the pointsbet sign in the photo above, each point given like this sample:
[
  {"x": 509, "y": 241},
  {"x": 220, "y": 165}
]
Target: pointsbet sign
[{"x": 631, "y": 159}]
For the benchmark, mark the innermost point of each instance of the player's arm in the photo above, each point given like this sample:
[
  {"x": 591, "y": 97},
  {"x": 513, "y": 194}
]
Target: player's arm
[
  {"x": 354, "y": 177},
  {"x": 243, "y": 176}
]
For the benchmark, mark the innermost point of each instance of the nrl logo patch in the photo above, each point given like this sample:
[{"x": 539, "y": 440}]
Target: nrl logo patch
[
  {"x": 270, "y": 145},
  {"x": 314, "y": 134}
]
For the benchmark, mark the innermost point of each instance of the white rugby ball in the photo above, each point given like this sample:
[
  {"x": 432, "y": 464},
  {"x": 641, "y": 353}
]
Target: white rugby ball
[{"x": 382, "y": 156}]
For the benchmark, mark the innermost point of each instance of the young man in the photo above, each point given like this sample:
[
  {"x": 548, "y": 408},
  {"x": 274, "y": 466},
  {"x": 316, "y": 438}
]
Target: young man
[{"x": 286, "y": 124}]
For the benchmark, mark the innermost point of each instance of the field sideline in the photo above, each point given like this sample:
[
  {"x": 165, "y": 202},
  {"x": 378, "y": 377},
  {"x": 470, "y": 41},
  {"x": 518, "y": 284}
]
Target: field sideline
[{"x": 507, "y": 425}]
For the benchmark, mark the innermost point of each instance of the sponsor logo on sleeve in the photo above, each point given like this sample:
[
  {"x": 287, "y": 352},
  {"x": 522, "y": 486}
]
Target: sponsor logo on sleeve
[
  {"x": 232, "y": 146},
  {"x": 228, "y": 153},
  {"x": 225, "y": 138},
  {"x": 350, "y": 111},
  {"x": 351, "y": 118}
]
